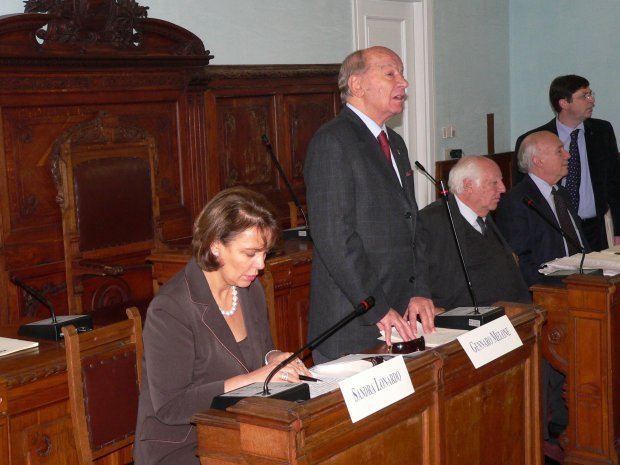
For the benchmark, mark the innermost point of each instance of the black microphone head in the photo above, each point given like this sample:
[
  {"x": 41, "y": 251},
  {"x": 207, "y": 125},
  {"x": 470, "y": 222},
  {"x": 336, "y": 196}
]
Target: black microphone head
[
  {"x": 266, "y": 140},
  {"x": 368, "y": 303},
  {"x": 419, "y": 165}
]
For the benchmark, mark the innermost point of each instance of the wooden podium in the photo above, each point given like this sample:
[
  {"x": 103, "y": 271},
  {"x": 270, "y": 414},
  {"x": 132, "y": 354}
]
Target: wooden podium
[
  {"x": 458, "y": 415},
  {"x": 580, "y": 340}
]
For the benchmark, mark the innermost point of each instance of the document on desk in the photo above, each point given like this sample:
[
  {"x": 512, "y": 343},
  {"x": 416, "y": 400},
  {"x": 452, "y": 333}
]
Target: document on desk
[
  {"x": 440, "y": 337},
  {"x": 332, "y": 373},
  {"x": 10, "y": 346},
  {"x": 607, "y": 260}
]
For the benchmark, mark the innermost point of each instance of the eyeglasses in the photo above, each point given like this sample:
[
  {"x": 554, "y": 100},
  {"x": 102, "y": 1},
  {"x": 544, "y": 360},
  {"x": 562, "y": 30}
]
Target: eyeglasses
[
  {"x": 408, "y": 347},
  {"x": 587, "y": 96}
]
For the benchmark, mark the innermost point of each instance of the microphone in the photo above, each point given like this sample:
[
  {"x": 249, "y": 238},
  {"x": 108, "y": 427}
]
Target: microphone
[
  {"x": 294, "y": 392},
  {"x": 361, "y": 308},
  {"x": 530, "y": 203},
  {"x": 51, "y": 327},
  {"x": 302, "y": 232},
  {"x": 461, "y": 317}
]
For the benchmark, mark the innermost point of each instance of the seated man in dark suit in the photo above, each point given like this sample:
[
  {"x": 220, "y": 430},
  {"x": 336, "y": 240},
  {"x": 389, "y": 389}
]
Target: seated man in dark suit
[
  {"x": 476, "y": 185},
  {"x": 593, "y": 177},
  {"x": 535, "y": 242}
]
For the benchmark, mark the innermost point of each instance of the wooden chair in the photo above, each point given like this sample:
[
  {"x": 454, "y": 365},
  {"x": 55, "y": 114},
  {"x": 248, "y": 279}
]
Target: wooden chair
[
  {"x": 104, "y": 173},
  {"x": 104, "y": 374},
  {"x": 295, "y": 215}
]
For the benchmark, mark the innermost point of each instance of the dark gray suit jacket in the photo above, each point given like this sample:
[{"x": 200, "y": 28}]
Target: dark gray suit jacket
[
  {"x": 529, "y": 235},
  {"x": 492, "y": 269},
  {"x": 604, "y": 164},
  {"x": 189, "y": 351},
  {"x": 365, "y": 230}
]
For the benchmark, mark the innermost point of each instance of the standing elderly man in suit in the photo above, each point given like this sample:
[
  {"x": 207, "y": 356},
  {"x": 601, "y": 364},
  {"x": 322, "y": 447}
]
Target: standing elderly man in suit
[
  {"x": 363, "y": 213},
  {"x": 543, "y": 157},
  {"x": 476, "y": 185},
  {"x": 593, "y": 178}
]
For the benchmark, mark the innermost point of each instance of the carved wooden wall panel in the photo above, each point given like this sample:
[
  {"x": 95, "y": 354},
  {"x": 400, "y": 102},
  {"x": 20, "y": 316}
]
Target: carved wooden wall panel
[
  {"x": 304, "y": 115},
  {"x": 242, "y": 156},
  {"x": 288, "y": 103}
]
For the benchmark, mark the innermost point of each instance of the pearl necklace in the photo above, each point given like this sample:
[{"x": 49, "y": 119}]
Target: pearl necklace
[{"x": 233, "y": 307}]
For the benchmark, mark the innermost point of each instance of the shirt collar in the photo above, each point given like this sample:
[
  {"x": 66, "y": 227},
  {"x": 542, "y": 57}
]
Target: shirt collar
[
  {"x": 564, "y": 131},
  {"x": 372, "y": 126},
  {"x": 467, "y": 213},
  {"x": 543, "y": 186}
]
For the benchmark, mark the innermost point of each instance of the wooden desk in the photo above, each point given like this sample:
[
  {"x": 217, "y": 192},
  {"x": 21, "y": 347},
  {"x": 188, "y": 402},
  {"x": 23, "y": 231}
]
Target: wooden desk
[
  {"x": 286, "y": 279},
  {"x": 458, "y": 415},
  {"x": 580, "y": 340},
  {"x": 35, "y": 421}
]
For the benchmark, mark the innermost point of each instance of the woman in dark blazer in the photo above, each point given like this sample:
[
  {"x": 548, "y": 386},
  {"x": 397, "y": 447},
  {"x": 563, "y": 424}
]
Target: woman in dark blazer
[{"x": 206, "y": 332}]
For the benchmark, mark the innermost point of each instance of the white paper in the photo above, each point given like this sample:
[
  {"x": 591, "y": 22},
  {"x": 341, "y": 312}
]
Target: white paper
[
  {"x": 439, "y": 337},
  {"x": 9, "y": 346},
  {"x": 608, "y": 260}
]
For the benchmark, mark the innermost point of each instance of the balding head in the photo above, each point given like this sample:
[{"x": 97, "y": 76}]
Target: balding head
[{"x": 542, "y": 154}]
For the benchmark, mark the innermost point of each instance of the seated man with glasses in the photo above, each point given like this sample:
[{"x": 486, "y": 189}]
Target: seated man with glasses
[{"x": 593, "y": 179}]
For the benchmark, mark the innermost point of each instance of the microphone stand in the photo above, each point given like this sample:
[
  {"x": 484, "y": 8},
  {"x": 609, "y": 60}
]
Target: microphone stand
[
  {"x": 461, "y": 317},
  {"x": 361, "y": 308},
  {"x": 530, "y": 203},
  {"x": 445, "y": 194},
  {"x": 295, "y": 392},
  {"x": 293, "y": 233},
  {"x": 52, "y": 327}
]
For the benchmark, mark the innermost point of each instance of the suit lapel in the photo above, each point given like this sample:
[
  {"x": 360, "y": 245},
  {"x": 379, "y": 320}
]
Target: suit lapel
[{"x": 210, "y": 314}]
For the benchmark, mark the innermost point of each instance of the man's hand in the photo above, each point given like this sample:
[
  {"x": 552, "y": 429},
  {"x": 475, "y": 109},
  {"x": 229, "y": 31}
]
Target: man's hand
[
  {"x": 392, "y": 318},
  {"x": 425, "y": 308}
]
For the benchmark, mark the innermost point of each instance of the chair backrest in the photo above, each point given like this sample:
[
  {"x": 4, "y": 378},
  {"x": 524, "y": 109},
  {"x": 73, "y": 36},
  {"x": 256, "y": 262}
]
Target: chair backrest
[
  {"x": 104, "y": 375},
  {"x": 105, "y": 173},
  {"x": 296, "y": 217}
]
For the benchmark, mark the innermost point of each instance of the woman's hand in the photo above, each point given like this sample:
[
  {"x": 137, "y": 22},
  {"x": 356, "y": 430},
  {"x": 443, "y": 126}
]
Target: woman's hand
[{"x": 288, "y": 374}]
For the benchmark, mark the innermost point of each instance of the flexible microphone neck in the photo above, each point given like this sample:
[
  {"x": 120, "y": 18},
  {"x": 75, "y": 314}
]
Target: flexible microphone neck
[
  {"x": 267, "y": 144},
  {"x": 36, "y": 295},
  {"x": 361, "y": 308},
  {"x": 530, "y": 203},
  {"x": 444, "y": 191}
]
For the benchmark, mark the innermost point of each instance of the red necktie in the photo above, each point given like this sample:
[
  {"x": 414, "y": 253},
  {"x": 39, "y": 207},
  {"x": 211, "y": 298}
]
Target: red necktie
[{"x": 385, "y": 145}]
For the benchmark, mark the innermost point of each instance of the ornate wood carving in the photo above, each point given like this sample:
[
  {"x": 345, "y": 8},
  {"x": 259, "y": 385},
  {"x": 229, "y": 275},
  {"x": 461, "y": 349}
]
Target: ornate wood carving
[
  {"x": 97, "y": 21},
  {"x": 77, "y": 31}
]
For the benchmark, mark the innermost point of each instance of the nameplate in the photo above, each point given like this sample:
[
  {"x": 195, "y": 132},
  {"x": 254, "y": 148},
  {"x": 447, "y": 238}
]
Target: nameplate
[
  {"x": 375, "y": 388},
  {"x": 490, "y": 341}
]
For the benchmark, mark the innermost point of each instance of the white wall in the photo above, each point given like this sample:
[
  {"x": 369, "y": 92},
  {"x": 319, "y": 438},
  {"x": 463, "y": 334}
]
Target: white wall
[
  {"x": 555, "y": 37},
  {"x": 257, "y": 31},
  {"x": 471, "y": 73}
]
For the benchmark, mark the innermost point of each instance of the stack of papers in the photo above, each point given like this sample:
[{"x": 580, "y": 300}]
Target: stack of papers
[
  {"x": 439, "y": 337},
  {"x": 9, "y": 346},
  {"x": 607, "y": 260},
  {"x": 331, "y": 373}
]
